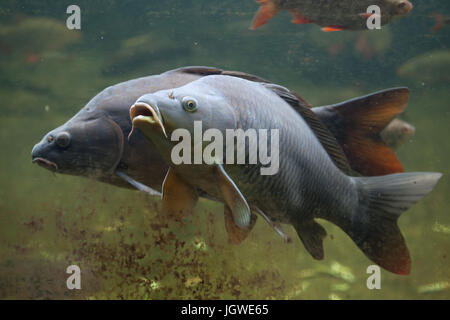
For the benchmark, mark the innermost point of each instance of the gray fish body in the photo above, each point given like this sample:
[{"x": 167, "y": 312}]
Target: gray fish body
[{"x": 308, "y": 184}]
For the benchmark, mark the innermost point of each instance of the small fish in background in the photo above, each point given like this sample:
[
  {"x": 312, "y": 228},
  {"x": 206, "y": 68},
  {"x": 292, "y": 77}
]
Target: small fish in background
[
  {"x": 332, "y": 15},
  {"x": 440, "y": 22},
  {"x": 40, "y": 34},
  {"x": 35, "y": 38},
  {"x": 397, "y": 132},
  {"x": 136, "y": 52},
  {"x": 309, "y": 184},
  {"x": 429, "y": 68}
]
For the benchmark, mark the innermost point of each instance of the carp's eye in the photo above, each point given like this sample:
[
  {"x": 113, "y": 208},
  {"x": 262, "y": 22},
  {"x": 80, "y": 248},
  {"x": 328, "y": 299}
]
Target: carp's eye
[
  {"x": 189, "y": 104},
  {"x": 63, "y": 139},
  {"x": 401, "y": 5}
]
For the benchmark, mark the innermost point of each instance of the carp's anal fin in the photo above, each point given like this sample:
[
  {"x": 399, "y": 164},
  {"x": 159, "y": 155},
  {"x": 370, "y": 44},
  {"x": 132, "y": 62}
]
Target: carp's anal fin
[
  {"x": 179, "y": 197},
  {"x": 332, "y": 28},
  {"x": 235, "y": 234},
  {"x": 265, "y": 12},
  {"x": 312, "y": 234},
  {"x": 299, "y": 18},
  {"x": 233, "y": 198},
  {"x": 357, "y": 124}
]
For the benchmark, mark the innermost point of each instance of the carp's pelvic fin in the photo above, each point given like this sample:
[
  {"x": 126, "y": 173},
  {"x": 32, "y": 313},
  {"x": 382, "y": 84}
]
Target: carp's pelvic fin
[
  {"x": 236, "y": 234},
  {"x": 179, "y": 197},
  {"x": 233, "y": 198}
]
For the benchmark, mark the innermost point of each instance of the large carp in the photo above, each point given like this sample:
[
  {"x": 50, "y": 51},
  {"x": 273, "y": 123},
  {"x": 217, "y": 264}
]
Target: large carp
[{"x": 307, "y": 182}]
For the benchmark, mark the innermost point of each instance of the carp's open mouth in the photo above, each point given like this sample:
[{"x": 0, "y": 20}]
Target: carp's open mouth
[
  {"x": 47, "y": 164},
  {"x": 143, "y": 114}
]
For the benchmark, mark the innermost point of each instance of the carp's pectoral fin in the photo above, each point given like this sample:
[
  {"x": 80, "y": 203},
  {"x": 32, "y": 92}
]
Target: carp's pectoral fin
[
  {"x": 312, "y": 234},
  {"x": 137, "y": 184},
  {"x": 233, "y": 198},
  {"x": 179, "y": 197},
  {"x": 265, "y": 12},
  {"x": 275, "y": 226},
  {"x": 236, "y": 234}
]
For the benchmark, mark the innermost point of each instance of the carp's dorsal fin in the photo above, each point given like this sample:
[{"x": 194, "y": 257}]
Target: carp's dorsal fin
[
  {"x": 325, "y": 137},
  {"x": 200, "y": 70},
  {"x": 312, "y": 234},
  {"x": 179, "y": 197},
  {"x": 208, "y": 71},
  {"x": 236, "y": 234},
  {"x": 140, "y": 186},
  {"x": 233, "y": 198},
  {"x": 357, "y": 124}
]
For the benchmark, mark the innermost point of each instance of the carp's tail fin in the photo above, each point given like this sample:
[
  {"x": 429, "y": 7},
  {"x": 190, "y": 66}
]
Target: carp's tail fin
[
  {"x": 357, "y": 124},
  {"x": 373, "y": 224}
]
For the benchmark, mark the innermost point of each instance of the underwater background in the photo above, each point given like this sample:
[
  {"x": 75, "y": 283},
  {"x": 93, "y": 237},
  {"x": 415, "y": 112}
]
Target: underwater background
[{"x": 124, "y": 247}]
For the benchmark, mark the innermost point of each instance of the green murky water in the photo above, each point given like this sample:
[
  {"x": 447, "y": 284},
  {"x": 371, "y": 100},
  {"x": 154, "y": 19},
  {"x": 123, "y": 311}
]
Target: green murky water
[{"x": 123, "y": 246}]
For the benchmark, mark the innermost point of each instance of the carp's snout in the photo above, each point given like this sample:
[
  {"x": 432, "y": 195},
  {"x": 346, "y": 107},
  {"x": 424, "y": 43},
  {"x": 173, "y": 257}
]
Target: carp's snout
[
  {"x": 41, "y": 150},
  {"x": 43, "y": 162},
  {"x": 88, "y": 144}
]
